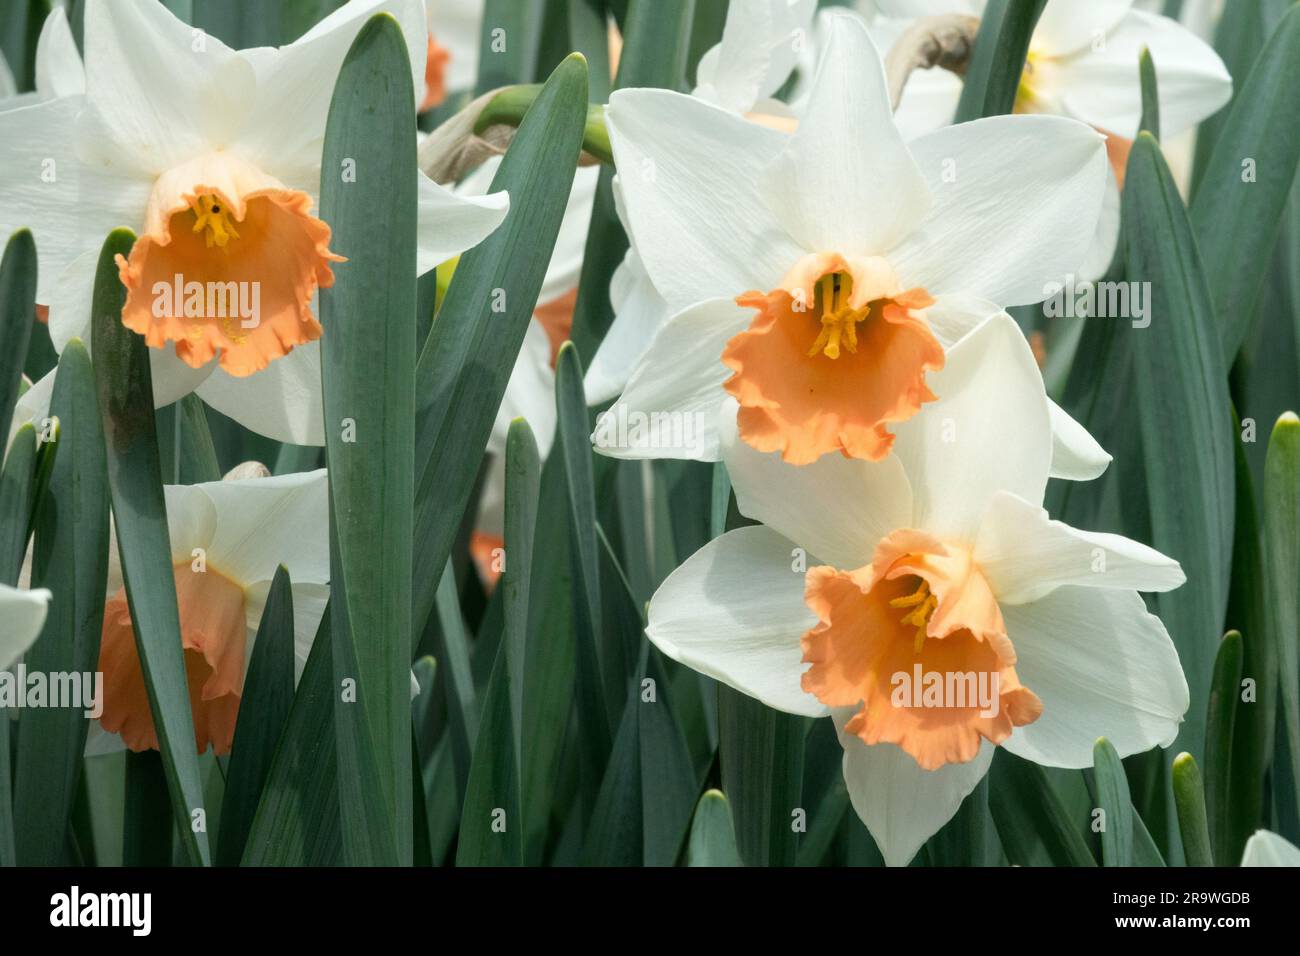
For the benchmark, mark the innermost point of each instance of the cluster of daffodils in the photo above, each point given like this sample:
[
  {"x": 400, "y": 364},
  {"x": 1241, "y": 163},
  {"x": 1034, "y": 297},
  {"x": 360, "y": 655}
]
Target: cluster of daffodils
[
  {"x": 830, "y": 302},
  {"x": 813, "y": 296}
]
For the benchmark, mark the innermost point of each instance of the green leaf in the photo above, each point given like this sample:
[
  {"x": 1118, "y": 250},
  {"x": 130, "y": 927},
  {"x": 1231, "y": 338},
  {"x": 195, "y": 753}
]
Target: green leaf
[
  {"x": 508, "y": 43},
  {"x": 125, "y": 391},
  {"x": 998, "y": 59},
  {"x": 761, "y": 754},
  {"x": 1240, "y": 197},
  {"x": 471, "y": 350},
  {"x": 368, "y": 376},
  {"x": 1189, "y": 800},
  {"x": 1114, "y": 800},
  {"x": 146, "y": 830},
  {"x": 575, "y": 446},
  {"x": 20, "y": 26},
  {"x": 71, "y": 559},
  {"x": 1185, "y": 418},
  {"x": 491, "y": 833},
  {"x": 17, "y": 314},
  {"x": 1282, "y": 557},
  {"x": 17, "y": 498},
  {"x": 713, "y": 837},
  {"x": 1029, "y": 815},
  {"x": 263, "y": 714},
  {"x": 1220, "y": 723},
  {"x": 452, "y": 649},
  {"x": 1150, "y": 118},
  {"x": 523, "y": 476},
  {"x": 297, "y": 822},
  {"x": 1254, "y": 731}
]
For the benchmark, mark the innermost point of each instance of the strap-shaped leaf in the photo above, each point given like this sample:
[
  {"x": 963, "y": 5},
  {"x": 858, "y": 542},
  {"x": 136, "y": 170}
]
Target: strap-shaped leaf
[
  {"x": 125, "y": 391},
  {"x": 71, "y": 559},
  {"x": 368, "y": 196}
]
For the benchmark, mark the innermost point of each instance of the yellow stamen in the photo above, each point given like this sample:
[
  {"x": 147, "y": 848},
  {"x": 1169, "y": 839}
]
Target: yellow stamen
[
  {"x": 839, "y": 319},
  {"x": 923, "y": 604},
  {"x": 211, "y": 215}
]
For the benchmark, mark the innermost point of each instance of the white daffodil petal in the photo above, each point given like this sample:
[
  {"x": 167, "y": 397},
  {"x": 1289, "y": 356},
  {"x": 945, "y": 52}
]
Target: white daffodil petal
[
  {"x": 1265, "y": 848},
  {"x": 1004, "y": 230},
  {"x": 309, "y": 602},
  {"x": 691, "y": 175},
  {"x": 953, "y": 317},
  {"x": 639, "y": 313},
  {"x": 286, "y": 124},
  {"x": 731, "y": 73},
  {"x": 1100, "y": 84},
  {"x": 1067, "y": 26},
  {"x": 1106, "y": 237},
  {"x": 159, "y": 92},
  {"x": 191, "y": 523},
  {"x": 846, "y": 183},
  {"x": 529, "y": 394},
  {"x": 59, "y": 71},
  {"x": 262, "y": 523},
  {"x": 565, "y": 267},
  {"x": 449, "y": 224},
  {"x": 837, "y": 508},
  {"x": 68, "y": 206},
  {"x": 901, "y": 804},
  {"x": 23, "y": 613},
  {"x": 670, "y": 406},
  {"x": 1076, "y": 456},
  {"x": 735, "y": 612},
  {"x": 32, "y": 407},
  {"x": 283, "y": 401},
  {"x": 1103, "y": 666},
  {"x": 1025, "y": 555},
  {"x": 989, "y": 431}
]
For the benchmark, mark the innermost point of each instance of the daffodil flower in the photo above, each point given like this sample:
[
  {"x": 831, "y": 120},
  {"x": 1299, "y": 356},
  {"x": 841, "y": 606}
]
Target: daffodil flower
[
  {"x": 227, "y": 539},
  {"x": 214, "y": 157},
  {"x": 820, "y": 278},
  {"x": 869, "y": 585},
  {"x": 1083, "y": 63},
  {"x": 22, "y": 615},
  {"x": 762, "y": 42}
]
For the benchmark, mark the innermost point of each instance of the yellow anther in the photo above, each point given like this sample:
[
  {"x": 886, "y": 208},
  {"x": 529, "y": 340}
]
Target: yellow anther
[
  {"x": 922, "y": 603},
  {"x": 839, "y": 319},
  {"x": 913, "y": 599},
  {"x": 212, "y": 216}
]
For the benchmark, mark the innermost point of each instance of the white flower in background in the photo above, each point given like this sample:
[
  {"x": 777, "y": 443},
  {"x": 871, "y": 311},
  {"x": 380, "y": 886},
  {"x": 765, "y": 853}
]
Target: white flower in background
[
  {"x": 530, "y": 391},
  {"x": 58, "y": 66},
  {"x": 455, "y": 30},
  {"x": 227, "y": 539},
  {"x": 1265, "y": 848},
  {"x": 762, "y": 41},
  {"x": 937, "y": 563},
  {"x": 760, "y": 46},
  {"x": 22, "y": 615},
  {"x": 817, "y": 278},
  {"x": 1083, "y": 63},
  {"x": 213, "y": 156}
]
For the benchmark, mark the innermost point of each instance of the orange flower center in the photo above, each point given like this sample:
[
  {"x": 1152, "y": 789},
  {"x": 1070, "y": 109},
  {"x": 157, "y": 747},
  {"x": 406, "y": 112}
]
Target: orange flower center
[
  {"x": 916, "y": 639},
  {"x": 834, "y": 354},
  {"x": 228, "y": 263},
  {"x": 213, "y": 634}
]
